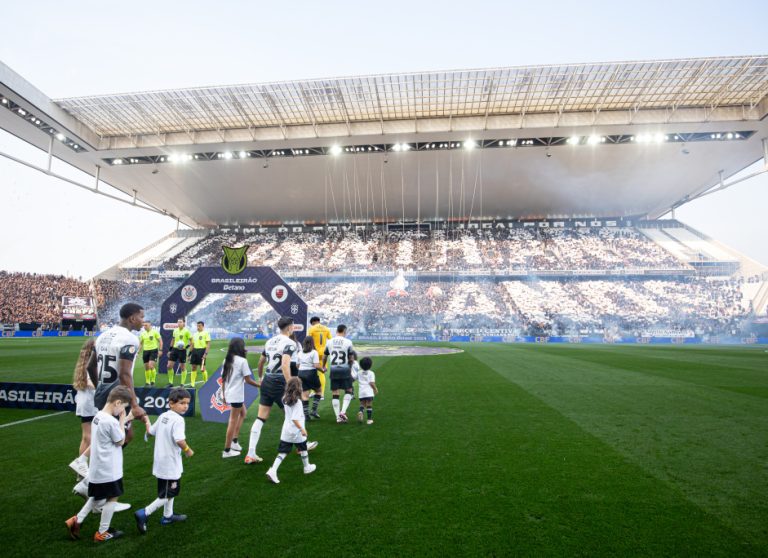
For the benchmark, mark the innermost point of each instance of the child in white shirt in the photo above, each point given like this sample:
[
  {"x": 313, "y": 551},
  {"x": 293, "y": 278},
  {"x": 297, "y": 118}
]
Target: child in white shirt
[
  {"x": 170, "y": 442},
  {"x": 105, "y": 474},
  {"x": 366, "y": 389},
  {"x": 293, "y": 433}
]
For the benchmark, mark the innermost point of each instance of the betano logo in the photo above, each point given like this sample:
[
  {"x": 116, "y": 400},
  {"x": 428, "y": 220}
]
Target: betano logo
[{"x": 234, "y": 260}]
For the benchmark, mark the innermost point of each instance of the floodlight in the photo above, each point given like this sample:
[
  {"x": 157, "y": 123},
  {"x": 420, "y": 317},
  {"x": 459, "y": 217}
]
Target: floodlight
[
  {"x": 60, "y": 136},
  {"x": 335, "y": 150},
  {"x": 594, "y": 140},
  {"x": 573, "y": 140},
  {"x": 469, "y": 144},
  {"x": 242, "y": 154},
  {"x": 227, "y": 154}
]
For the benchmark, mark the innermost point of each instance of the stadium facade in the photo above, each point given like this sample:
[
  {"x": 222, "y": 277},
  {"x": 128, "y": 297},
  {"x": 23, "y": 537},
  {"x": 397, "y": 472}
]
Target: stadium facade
[{"x": 514, "y": 187}]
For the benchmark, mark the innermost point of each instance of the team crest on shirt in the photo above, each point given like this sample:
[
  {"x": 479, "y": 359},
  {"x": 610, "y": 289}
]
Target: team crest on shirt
[
  {"x": 294, "y": 309},
  {"x": 188, "y": 293},
  {"x": 217, "y": 399},
  {"x": 173, "y": 308},
  {"x": 279, "y": 293},
  {"x": 234, "y": 260}
]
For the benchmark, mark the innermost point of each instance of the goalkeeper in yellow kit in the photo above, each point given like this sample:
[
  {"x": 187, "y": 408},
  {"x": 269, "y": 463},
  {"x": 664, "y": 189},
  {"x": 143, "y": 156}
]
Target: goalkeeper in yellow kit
[{"x": 320, "y": 334}]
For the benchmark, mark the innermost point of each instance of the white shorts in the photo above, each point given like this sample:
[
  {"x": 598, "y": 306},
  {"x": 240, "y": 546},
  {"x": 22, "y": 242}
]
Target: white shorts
[{"x": 85, "y": 407}]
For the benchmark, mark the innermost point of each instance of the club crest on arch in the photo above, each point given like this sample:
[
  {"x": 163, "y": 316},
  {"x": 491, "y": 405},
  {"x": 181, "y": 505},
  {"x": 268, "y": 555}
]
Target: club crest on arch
[{"x": 234, "y": 260}]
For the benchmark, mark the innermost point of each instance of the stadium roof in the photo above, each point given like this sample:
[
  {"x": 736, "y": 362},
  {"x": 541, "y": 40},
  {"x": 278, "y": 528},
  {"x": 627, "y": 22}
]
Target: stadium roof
[
  {"x": 708, "y": 83},
  {"x": 605, "y": 139}
]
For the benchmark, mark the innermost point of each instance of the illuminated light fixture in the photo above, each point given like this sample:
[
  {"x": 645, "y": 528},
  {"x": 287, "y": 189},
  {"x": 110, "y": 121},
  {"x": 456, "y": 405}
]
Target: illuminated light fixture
[
  {"x": 643, "y": 138},
  {"x": 513, "y": 142},
  {"x": 5, "y": 101},
  {"x": 76, "y": 146},
  {"x": 60, "y": 136},
  {"x": 737, "y": 135},
  {"x": 593, "y": 140},
  {"x": 659, "y": 138},
  {"x": 227, "y": 155},
  {"x": 405, "y": 147},
  {"x": 396, "y": 147},
  {"x": 573, "y": 140},
  {"x": 242, "y": 154},
  {"x": 22, "y": 112},
  {"x": 117, "y": 162},
  {"x": 335, "y": 150},
  {"x": 729, "y": 135},
  {"x": 469, "y": 144}
]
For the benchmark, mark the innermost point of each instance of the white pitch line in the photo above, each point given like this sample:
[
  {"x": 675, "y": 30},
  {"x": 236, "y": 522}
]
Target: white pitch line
[{"x": 33, "y": 418}]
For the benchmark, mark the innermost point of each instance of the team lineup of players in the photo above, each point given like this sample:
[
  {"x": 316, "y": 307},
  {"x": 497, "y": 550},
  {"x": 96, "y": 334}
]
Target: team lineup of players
[{"x": 288, "y": 374}]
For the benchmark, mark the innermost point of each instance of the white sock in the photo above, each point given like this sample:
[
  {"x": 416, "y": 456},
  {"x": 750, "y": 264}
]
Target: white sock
[
  {"x": 278, "y": 461},
  {"x": 85, "y": 510},
  {"x": 253, "y": 441},
  {"x": 168, "y": 508},
  {"x": 305, "y": 458},
  {"x": 156, "y": 505},
  {"x": 347, "y": 399},
  {"x": 106, "y": 516},
  {"x": 336, "y": 407}
]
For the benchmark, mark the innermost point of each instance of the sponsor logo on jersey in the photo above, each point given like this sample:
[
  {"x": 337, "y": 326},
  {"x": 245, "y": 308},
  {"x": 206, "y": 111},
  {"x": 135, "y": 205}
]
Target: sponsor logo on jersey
[
  {"x": 234, "y": 260},
  {"x": 279, "y": 293},
  {"x": 188, "y": 293}
]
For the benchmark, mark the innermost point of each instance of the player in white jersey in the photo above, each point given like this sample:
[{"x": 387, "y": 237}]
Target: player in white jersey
[
  {"x": 366, "y": 389},
  {"x": 338, "y": 351},
  {"x": 274, "y": 371},
  {"x": 276, "y": 358},
  {"x": 111, "y": 364}
]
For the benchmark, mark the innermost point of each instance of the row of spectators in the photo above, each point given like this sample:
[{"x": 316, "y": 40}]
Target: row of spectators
[
  {"x": 36, "y": 298},
  {"x": 470, "y": 250}
]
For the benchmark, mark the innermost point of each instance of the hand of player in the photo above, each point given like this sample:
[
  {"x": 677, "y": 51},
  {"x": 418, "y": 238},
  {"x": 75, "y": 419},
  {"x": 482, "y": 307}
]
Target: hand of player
[
  {"x": 189, "y": 452},
  {"x": 304, "y": 432},
  {"x": 129, "y": 416},
  {"x": 138, "y": 412}
]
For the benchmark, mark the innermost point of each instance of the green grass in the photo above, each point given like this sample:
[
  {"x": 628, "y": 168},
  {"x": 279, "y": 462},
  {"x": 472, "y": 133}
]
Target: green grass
[{"x": 527, "y": 450}]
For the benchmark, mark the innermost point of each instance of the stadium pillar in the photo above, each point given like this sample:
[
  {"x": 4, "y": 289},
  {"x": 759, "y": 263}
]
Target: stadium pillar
[
  {"x": 50, "y": 153},
  {"x": 765, "y": 153}
]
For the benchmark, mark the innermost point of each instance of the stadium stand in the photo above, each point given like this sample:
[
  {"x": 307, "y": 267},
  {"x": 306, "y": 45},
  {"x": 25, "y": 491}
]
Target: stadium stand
[{"x": 525, "y": 281}]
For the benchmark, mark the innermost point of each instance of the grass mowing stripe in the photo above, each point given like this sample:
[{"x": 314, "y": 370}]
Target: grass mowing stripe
[
  {"x": 699, "y": 367},
  {"x": 7, "y": 424},
  {"x": 709, "y": 443}
]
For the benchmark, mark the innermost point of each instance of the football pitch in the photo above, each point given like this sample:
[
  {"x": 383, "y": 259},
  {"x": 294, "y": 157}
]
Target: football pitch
[{"x": 526, "y": 450}]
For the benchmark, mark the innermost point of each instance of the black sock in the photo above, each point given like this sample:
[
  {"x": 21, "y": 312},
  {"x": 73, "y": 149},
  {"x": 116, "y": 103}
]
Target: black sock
[
  {"x": 305, "y": 405},
  {"x": 316, "y": 403},
  {"x": 227, "y": 449},
  {"x": 370, "y": 413},
  {"x": 362, "y": 408},
  {"x": 234, "y": 440}
]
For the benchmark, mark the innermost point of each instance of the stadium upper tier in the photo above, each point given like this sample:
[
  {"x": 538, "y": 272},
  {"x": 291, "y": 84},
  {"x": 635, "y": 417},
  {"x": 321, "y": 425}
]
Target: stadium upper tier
[
  {"x": 629, "y": 138},
  {"x": 491, "y": 248}
]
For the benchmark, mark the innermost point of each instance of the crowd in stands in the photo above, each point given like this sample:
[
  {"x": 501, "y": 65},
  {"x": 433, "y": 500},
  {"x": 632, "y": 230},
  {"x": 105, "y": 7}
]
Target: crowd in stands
[
  {"x": 35, "y": 298},
  {"x": 468, "y": 250},
  {"x": 375, "y": 304},
  {"x": 555, "y": 307}
]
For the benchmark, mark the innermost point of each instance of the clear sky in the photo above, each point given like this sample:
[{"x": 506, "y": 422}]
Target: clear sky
[{"x": 88, "y": 47}]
